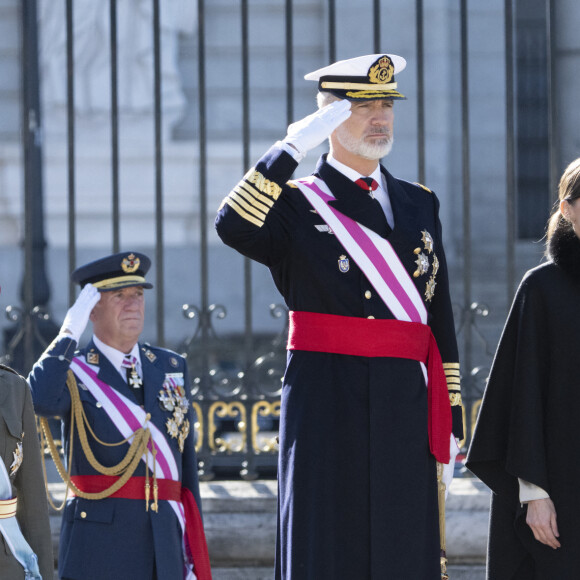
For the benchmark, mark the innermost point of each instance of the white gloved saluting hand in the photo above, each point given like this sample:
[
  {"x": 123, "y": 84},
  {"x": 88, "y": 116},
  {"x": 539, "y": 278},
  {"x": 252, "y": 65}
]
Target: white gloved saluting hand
[
  {"x": 77, "y": 317},
  {"x": 314, "y": 129}
]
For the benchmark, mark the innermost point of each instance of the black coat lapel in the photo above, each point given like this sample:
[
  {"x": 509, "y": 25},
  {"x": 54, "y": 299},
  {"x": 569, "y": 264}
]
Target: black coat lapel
[
  {"x": 351, "y": 200},
  {"x": 405, "y": 211}
]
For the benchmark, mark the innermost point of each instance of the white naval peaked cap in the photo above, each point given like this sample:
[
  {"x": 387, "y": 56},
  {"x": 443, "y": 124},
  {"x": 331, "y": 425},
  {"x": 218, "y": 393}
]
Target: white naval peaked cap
[{"x": 362, "y": 78}]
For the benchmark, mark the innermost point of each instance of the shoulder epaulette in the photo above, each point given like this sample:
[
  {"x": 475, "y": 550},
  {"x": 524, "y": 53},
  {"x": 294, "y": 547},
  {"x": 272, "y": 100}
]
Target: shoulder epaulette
[{"x": 423, "y": 187}]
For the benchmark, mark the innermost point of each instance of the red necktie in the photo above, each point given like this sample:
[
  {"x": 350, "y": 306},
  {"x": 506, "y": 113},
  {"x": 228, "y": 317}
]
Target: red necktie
[{"x": 368, "y": 184}]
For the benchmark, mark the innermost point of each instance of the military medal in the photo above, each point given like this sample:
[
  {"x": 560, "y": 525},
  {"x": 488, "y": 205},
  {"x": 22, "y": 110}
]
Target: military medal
[
  {"x": 435, "y": 265},
  {"x": 172, "y": 399},
  {"x": 343, "y": 264},
  {"x": 134, "y": 379},
  {"x": 427, "y": 240},
  {"x": 422, "y": 264},
  {"x": 18, "y": 457},
  {"x": 430, "y": 289}
]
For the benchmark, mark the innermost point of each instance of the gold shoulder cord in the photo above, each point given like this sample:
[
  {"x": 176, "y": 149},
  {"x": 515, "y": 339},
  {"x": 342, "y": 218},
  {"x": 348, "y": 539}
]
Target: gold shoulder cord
[{"x": 125, "y": 468}]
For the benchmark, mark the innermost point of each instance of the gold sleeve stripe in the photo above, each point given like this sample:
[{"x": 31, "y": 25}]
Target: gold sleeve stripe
[
  {"x": 255, "y": 193},
  {"x": 455, "y": 399},
  {"x": 451, "y": 365},
  {"x": 248, "y": 207},
  {"x": 262, "y": 184},
  {"x": 453, "y": 381},
  {"x": 251, "y": 200},
  {"x": 452, "y": 372},
  {"x": 243, "y": 213}
]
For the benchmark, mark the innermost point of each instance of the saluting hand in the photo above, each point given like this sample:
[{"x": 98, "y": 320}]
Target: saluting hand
[
  {"x": 77, "y": 317},
  {"x": 311, "y": 131},
  {"x": 542, "y": 520}
]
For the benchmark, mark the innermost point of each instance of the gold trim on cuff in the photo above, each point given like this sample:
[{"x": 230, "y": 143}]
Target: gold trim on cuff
[{"x": 8, "y": 508}]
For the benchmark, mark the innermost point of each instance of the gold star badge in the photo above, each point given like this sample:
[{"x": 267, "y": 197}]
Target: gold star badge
[
  {"x": 427, "y": 240},
  {"x": 422, "y": 265},
  {"x": 430, "y": 289}
]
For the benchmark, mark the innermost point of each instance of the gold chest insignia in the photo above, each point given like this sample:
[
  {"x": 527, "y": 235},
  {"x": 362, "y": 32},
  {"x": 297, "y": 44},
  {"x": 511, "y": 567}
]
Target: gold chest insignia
[
  {"x": 430, "y": 289},
  {"x": 422, "y": 265},
  {"x": 343, "y": 264},
  {"x": 18, "y": 457},
  {"x": 435, "y": 265},
  {"x": 172, "y": 399},
  {"x": 427, "y": 239}
]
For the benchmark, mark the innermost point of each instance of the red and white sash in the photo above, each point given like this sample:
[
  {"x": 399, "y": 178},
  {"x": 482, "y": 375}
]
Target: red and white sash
[
  {"x": 373, "y": 254},
  {"x": 128, "y": 417}
]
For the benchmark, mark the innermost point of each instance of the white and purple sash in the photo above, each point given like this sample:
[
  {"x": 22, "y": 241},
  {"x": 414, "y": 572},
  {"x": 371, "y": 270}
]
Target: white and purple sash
[
  {"x": 128, "y": 417},
  {"x": 373, "y": 254}
]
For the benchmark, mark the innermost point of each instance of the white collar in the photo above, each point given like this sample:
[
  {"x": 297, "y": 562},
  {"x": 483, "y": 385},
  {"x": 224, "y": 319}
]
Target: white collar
[
  {"x": 351, "y": 173},
  {"x": 116, "y": 356}
]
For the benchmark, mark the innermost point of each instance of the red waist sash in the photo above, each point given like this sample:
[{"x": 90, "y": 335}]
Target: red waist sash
[
  {"x": 331, "y": 333},
  {"x": 133, "y": 489},
  {"x": 168, "y": 490}
]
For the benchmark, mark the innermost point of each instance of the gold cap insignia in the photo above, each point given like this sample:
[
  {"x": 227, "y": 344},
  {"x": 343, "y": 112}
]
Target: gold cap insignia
[
  {"x": 381, "y": 71},
  {"x": 130, "y": 264}
]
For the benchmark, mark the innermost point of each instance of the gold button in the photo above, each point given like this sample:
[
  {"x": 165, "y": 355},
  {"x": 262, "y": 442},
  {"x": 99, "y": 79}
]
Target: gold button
[
  {"x": 368, "y": 294},
  {"x": 83, "y": 515},
  {"x": 371, "y": 317},
  {"x": 99, "y": 404}
]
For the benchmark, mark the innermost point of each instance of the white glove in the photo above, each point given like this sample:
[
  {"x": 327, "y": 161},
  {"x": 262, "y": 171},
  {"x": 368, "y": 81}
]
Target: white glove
[
  {"x": 77, "y": 317},
  {"x": 314, "y": 129},
  {"x": 449, "y": 468}
]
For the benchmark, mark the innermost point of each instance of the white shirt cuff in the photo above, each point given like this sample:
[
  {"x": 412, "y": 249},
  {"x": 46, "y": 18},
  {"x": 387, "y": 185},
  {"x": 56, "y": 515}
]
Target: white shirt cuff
[
  {"x": 293, "y": 152},
  {"x": 530, "y": 492}
]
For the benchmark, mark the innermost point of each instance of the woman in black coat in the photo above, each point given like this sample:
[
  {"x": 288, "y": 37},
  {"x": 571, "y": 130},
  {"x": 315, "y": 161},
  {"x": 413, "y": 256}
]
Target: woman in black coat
[{"x": 525, "y": 442}]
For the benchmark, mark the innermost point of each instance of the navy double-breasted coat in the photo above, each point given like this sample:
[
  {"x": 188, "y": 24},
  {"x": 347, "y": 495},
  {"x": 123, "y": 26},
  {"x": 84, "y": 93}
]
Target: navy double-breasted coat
[
  {"x": 115, "y": 537},
  {"x": 357, "y": 483}
]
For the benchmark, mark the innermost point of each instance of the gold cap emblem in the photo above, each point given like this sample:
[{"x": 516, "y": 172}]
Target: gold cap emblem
[
  {"x": 382, "y": 71},
  {"x": 130, "y": 264}
]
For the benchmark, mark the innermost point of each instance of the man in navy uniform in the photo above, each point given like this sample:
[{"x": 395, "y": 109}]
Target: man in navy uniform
[
  {"x": 135, "y": 512},
  {"x": 357, "y": 255}
]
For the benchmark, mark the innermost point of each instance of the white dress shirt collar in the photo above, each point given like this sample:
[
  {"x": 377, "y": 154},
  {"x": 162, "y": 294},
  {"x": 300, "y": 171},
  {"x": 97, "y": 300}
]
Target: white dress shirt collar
[
  {"x": 381, "y": 194},
  {"x": 116, "y": 357}
]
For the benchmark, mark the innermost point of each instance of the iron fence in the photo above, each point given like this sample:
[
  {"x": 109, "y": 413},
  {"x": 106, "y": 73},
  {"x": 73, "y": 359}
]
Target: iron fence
[{"x": 236, "y": 377}]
